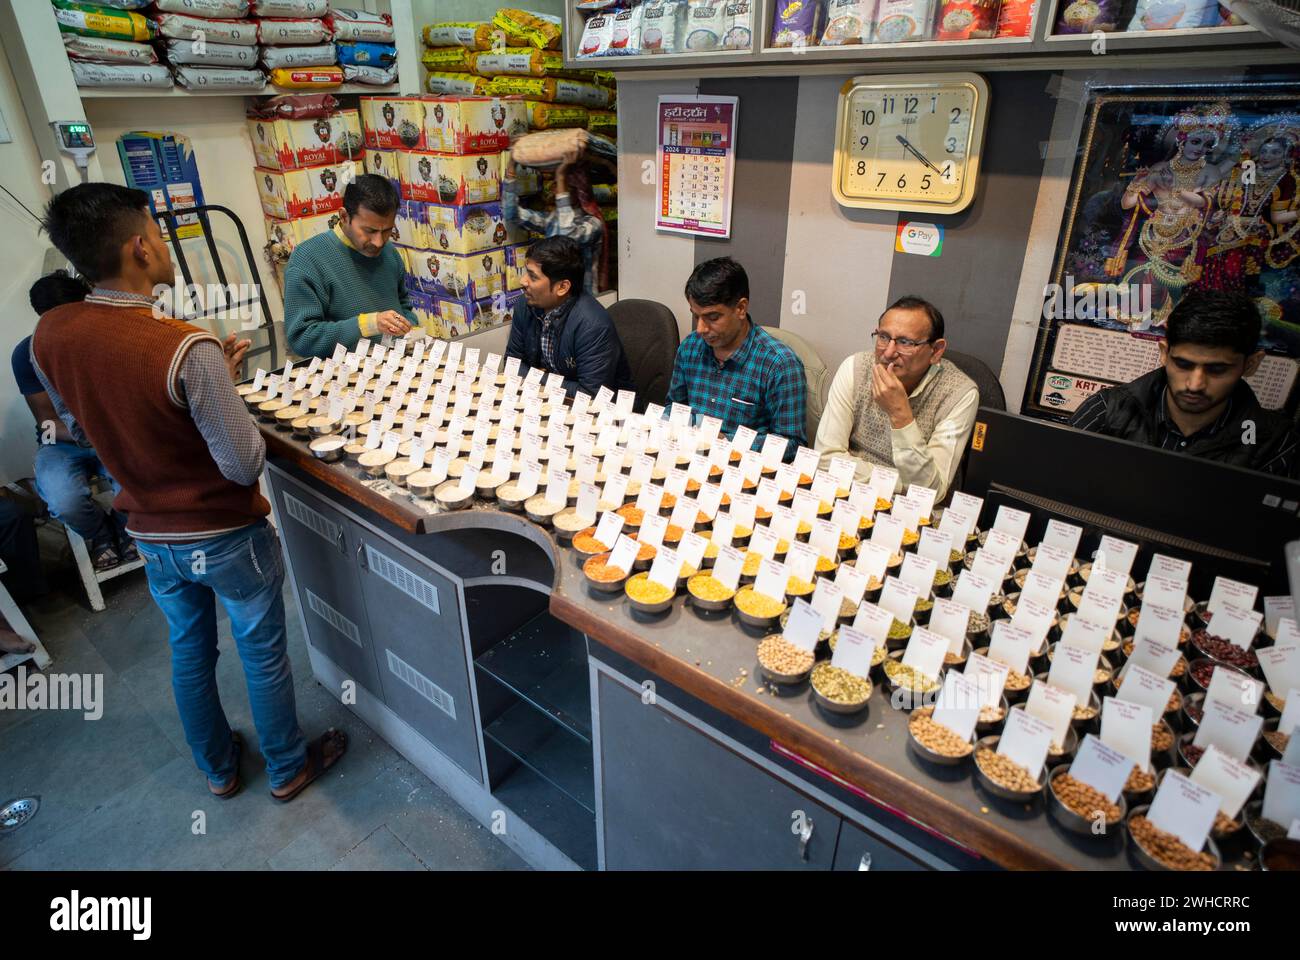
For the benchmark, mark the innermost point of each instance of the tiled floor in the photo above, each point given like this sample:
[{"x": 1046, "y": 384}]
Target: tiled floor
[{"x": 122, "y": 792}]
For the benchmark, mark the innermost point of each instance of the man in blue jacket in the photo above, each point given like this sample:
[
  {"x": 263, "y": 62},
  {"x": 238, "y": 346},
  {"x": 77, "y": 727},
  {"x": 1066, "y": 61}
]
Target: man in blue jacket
[{"x": 561, "y": 328}]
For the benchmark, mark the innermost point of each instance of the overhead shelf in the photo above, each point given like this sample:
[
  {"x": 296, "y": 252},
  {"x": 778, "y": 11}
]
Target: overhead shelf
[{"x": 136, "y": 93}]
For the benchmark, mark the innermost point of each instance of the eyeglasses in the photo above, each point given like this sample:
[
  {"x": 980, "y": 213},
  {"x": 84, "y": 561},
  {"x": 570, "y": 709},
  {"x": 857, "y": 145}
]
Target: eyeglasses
[{"x": 905, "y": 344}]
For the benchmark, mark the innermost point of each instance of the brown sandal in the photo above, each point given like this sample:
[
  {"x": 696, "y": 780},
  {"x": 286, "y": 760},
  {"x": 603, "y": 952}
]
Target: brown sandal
[
  {"x": 317, "y": 761},
  {"x": 235, "y": 785}
]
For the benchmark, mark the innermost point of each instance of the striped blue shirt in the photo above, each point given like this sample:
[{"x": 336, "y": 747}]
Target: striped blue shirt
[{"x": 761, "y": 386}]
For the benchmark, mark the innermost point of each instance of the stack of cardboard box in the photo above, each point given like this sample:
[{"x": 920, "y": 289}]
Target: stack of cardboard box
[{"x": 446, "y": 156}]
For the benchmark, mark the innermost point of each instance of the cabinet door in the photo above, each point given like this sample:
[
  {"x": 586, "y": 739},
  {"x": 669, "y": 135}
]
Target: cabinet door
[
  {"x": 857, "y": 844},
  {"x": 416, "y": 623},
  {"x": 322, "y": 546},
  {"x": 673, "y": 798}
]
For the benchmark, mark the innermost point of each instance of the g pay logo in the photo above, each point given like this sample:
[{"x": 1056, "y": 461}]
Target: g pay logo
[{"x": 923, "y": 239}]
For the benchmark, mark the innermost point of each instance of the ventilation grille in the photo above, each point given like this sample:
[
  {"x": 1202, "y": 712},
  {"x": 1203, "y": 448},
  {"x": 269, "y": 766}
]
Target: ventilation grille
[
  {"x": 313, "y": 520},
  {"x": 335, "y": 619},
  {"x": 417, "y": 588},
  {"x": 422, "y": 685}
]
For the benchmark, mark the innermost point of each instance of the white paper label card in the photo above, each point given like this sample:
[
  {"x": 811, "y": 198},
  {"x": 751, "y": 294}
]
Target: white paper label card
[
  {"x": 958, "y": 705},
  {"x": 1236, "y": 625},
  {"x": 1053, "y": 706},
  {"x": 763, "y": 543},
  {"x": 1011, "y": 645},
  {"x": 803, "y": 627},
  {"x": 652, "y": 530},
  {"x": 1084, "y": 634},
  {"x": 990, "y": 566},
  {"x": 843, "y": 469},
  {"x": 847, "y": 519},
  {"x": 957, "y": 525},
  {"x": 727, "y": 567},
  {"x": 1153, "y": 655},
  {"x": 883, "y": 482},
  {"x": 826, "y": 601},
  {"x": 615, "y": 491},
  {"x": 767, "y": 494},
  {"x": 873, "y": 560},
  {"x": 852, "y": 583},
  {"x": 1235, "y": 689},
  {"x": 854, "y": 651},
  {"x": 1062, "y": 536},
  {"x": 1161, "y": 624},
  {"x": 529, "y": 477},
  {"x": 1073, "y": 669},
  {"x": 787, "y": 479},
  {"x": 888, "y": 533},
  {"x": 742, "y": 508},
  {"x": 801, "y": 562},
  {"x": 650, "y": 498},
  {"x": 974, "y": 591},
  {"x": 1185, "y": 809},
  {"x": 1282, "y": 793},
  {"x": 874, "y": 622},
  {"x": 907, "y": 511},
  {"x": 1012, "y": 521},
  {"x": 1041, "y": 589},
  {"x": 990, "y": 675},
  {"x": 1148, "y": 689},
  {"x": 783, "y": 523},
  {"x": 1231, "y": 591},
  {"x": 588, "y": 467},
  {"x": 743, "y": 439},
  {"x": 610, "y": 526},
  {"x": 1287, "y": 631},
  {"x": 1098, "y": 608},
  {"x": 1100, "y": 767},
  {"x": 899, "y": 598},
  {"x": 824, "y": 487},
  {"x": 805, "y": 461},
  {"x": 1231, "y": 779},
  {"x": 588, "y": 502},
  {"x": 710, "y": 498},
  {"x": 1115, "y": 554},
  {"x": 467, "y": 480},
  {"x": 685, "y": 513},
  {"x": 863, "y": 498},
  {"x": 773, "y": 450},
  {"x": 1126, "y": 727},
  {"x": 1036, "y": 618},
  {"x": 771, "y": 580},
  {"x": 666, "y": 568},
  {"x": 919, "y": 572},
  {"x": 968, "y": 505},
  {"x": 806, "y": 505},
  {"x": 825, "y": 539},
  {"x": 557, "y": 486},
  {"x": 1025, "y": 740},
  {"x": 949, "y": 619},
  {"x": 1275, "y": 610},
  {"x": 935, "y": 545},
  {"x": 925, "y": 652},
  {"x": 1281, "y": 666},
  {"x": 1229, "y": 728}
]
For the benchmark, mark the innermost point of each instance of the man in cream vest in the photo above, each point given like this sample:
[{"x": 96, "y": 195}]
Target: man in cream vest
[{"x": 901, "y": 404}]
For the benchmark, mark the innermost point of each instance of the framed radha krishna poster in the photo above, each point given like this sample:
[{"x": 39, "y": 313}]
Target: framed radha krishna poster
[{"x": 1175, "y": 189}]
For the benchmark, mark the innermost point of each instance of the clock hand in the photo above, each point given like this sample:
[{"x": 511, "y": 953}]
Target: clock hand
[{"x": 916, "y": 153}]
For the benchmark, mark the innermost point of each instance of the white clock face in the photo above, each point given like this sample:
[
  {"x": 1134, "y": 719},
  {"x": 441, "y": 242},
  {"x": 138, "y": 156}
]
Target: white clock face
[{"x": 908, "y": 144}]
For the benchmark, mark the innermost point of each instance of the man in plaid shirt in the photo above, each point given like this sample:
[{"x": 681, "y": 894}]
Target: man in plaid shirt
[{"x": 733, "y": 369}]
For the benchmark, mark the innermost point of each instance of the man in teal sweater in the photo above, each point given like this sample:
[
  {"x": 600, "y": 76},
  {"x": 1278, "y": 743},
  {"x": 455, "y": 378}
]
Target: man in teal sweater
[{"x": 349, "y": 283}]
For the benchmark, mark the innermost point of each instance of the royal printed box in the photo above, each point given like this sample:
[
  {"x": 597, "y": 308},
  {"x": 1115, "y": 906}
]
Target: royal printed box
[
  {"x": 467, "y": 229},
  {"x": 306, "y": 191},
  {"x": 287, "y": 234},
  {"x": 472, "y": 125},
  {"x": 393, "y": 123},
  {"x": 515, "y": 256},
  {"x": 455, "y": 275},
  {"x": 426, "y": 312},
  {"x": 450, "y": 179},
  {"x": 290, "y": 144},
  {"x": 385, "y": 163}
]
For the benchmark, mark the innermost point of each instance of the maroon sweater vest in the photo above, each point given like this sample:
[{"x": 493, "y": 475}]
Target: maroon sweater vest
[{"x": 117, "y": 368}]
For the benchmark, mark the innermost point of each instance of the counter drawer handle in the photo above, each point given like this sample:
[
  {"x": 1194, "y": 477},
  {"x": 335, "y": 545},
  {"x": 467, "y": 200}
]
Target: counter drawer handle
[
  {"x": 361, "y": 556},
  {"x": 805, "y": 837},
  {"x": 339, "y": 542}
]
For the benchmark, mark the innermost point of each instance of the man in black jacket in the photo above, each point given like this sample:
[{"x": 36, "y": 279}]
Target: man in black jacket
[
  {"x": 1197, "y": 401},
  {"x": 561, "y": 328}
]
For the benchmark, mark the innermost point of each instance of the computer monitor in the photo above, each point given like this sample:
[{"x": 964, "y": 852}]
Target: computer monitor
[{"x": 1227, "y": 520}]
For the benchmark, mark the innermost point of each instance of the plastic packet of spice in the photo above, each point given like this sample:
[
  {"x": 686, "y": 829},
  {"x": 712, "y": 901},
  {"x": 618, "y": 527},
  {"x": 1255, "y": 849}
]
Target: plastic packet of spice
[
  {"x": 737, "y": 31},
  {"x": 1015, "y": 18},
  {"x": 661, "y": 26},
  {"x": 1085, "y": 16},
  {"x": 1174, "y": 14},
  {"x": 706, "y": 21},
  {"x": 625, "y": 40},
  {"x": 967, "y": 19},
  {"x": 848, "y": 22},
  {"x": 796, "y": 23},
  {"x": 901, "y": 20}
]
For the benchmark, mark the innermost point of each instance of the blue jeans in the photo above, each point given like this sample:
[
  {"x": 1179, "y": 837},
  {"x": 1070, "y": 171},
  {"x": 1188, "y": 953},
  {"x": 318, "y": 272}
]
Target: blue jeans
[
  {"x": 245, "y": 570},
  {"x": 63, "y": 474}
]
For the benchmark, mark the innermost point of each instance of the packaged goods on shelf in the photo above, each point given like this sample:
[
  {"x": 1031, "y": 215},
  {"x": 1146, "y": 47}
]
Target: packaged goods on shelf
[
  {"x": 121, "y": 75},
  {"x": 394, "y": 122},
  {"x": 466, "y": 229},
  {"x": 291, "y": 33},
  {"x": 738, "y": 21},
  {"x": 446, "y": 178},
  {"x": 384, "y": 163},
  {"x": 456, "y": 276},
  {"x": 306, "y": 191},
  {"x": 603, "y": 122},
  {"x": 448, "y": 84},
  {"x": 287, "y": 234},
  {"x": 553, "y": 116},
  {"x": 100, "y": 50},
  {"x": 519, "y": 61},
  {"x": 469, "y": 35},
  {"x": 367, "y": 54},
  {"x": 848, "y": 22},
  {"x": 88, "y": 20},
  {"x": 295, "y": 106},
  {"x": 187, "y": 52},
  {"x": 372, "y": 76},
  {"x": 218, "y": 9},
  {"x": 426, "y": 313},
  {"x": 180, "y": 26},
  {"x": 1085, "y": 16},
  {"x": 125, "y": 4},
  {"x": 535, "y": 29},
  {"x": 797, "y": 23},
  {"x": 349, "y": 24},
  {"x": 289, "y": 144},
  {"x": 231, "y": 79},
  {"x": 902, "y": 20},
  {"x": 1015, "y": 18},
  {"x": 967, "y": 19},
  {"x": 473, "y": 124},
  {"x": 1166, "y": 15},
  {"x": 317, "y": 55},
  {"x": 515, "y": 256},
  {"x": 460, "y": 317},
  {"x": 662, "y": 22},
  {"x": 706, "y": 22},
  {"x": 625, "y": 33},
  {"x": 447, "y": 59},
  {"x": 307, "y": 78},
  {"x": 290, "y": 8},
  {"x": 597, "y": 34},
  {"x": 549, "y": 90}
]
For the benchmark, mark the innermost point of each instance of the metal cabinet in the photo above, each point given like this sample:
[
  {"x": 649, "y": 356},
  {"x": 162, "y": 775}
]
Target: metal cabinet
[
  {"x": 415, "y": 622},
  {"x": 674, "y": 798},
  {"x": 322, "y": 546}
]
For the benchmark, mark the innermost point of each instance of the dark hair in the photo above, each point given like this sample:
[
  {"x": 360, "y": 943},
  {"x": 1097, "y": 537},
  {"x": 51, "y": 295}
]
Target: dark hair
[
  {"x": 371, "y": 191},
  {"x": 909, "y": 302},
  {"x": 55, "y": 289},
  {"x": 1215, "y": 319},
  {"x": 559, "y": 258},
  {"x": 718, "y": 281},
  {"x": 90, "y": 222}
]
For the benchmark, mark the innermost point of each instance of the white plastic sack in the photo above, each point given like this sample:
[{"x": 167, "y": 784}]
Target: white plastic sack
[
  {"x": 229, "y": 9},
  {"x": 189, "y": 52},
  {"x": 320, "y": 55},
  {"x": 102, "y": 50},
  {"x": 221, "y": 78},
  {"x": 378, "y": 76},
  {"x": 120, "y": 75},
  {"x": 177, "y": 26}
]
